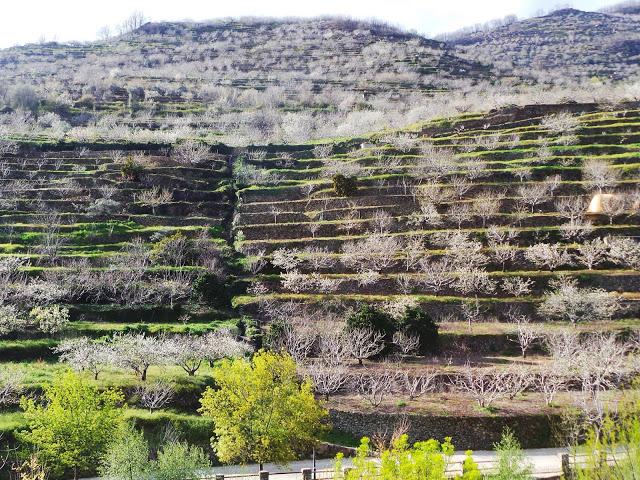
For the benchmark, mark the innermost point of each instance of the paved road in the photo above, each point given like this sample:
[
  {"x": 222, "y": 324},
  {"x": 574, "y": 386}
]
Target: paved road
[{"x": 546, "y": 463}]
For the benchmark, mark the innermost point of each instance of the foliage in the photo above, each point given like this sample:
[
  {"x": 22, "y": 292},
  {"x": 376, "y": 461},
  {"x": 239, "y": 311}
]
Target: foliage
[
  {"x": 179, "y": 461},
  {"x": 416, "y": 321},
  {"x": 424, "y": 460},
  {"x": 370, "y": 317},
  {"x": 344, "y": 186},
  {"x": 131, "y": 170},
  {"x": 470, "y": 470},
  {"x": 511, "y": 462},
  {"x": 261, "y": 410},
  {"x": 127, "y": 457},
  {"x": 75, "y": 425},
  {"x": 211, "y": 290},
  {"x": 618, "y": 433}
]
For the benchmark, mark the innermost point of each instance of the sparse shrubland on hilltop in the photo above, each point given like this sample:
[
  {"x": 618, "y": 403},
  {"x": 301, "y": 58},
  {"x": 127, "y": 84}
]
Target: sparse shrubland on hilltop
[
  {"x": 249, "y": 81},
  {"x": 564, "y": 45}
]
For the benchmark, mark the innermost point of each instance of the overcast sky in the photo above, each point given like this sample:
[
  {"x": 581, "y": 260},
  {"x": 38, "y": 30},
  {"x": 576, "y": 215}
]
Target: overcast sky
[{"x": 24, "y": 21}]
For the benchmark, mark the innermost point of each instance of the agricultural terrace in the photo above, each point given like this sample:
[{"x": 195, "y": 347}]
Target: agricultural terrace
[{"x": 473, "y": 279}]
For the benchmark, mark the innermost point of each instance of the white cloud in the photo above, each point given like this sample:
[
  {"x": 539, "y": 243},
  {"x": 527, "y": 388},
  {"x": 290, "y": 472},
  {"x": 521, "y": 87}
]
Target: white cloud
[{"x": 29, "y": 20}]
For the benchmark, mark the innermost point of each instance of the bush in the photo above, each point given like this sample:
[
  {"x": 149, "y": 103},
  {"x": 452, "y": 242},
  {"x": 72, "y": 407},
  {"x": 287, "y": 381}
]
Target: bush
[
  {"x": 211, "y": 290},
  {"x": 249, "y": 328},
  {"x": 423, "y": 460},
  {"x": 127, "y": 457},
  {"x": 417, "y": 322},
  {"x": 511, "y": 462},
  {"x": 370, "y": 317},
  {"x": 345, "y": 186},
  {"x": 24, "y": 97},
  {"x": 179, "y": 460},
  {"x": 131, "y": 170}
]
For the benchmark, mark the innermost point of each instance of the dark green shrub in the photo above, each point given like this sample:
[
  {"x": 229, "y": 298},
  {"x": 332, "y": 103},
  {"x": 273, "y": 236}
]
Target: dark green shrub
[
  {"x": 370, "y": 317},
  {"x": 210, "y": 289},
  {"x": 249, "y": 328},
  {"x": 131, "y": 170},
  {"x": 417, "y": 322},
  {"x": 345, "y": 186},
  {"x": 274, "y": 334}
]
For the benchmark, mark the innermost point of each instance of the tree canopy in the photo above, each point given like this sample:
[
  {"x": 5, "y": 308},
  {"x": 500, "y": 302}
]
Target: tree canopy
[
  {"x": 73, "y": 427},
  {"x": 261, "y": 410}
]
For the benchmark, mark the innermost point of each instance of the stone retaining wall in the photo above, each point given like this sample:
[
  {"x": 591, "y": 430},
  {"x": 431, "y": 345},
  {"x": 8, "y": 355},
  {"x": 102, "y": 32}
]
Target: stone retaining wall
[{"x": 477, "y": 433}]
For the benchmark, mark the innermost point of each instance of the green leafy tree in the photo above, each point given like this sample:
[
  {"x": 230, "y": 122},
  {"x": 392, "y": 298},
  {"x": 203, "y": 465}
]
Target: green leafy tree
[
  {"x": 511, "y": 462},
  {"x": 417, "y": 322},
  {"x": 261, "y": 410},
  {"x": 127, "y": 457},
  {"x": 179, "y": 461},
  {"x": 371, "y": 317},
  {"x": 71, "y": 430}
]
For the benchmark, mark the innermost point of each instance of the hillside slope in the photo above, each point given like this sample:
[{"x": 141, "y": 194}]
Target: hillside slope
[
  {"x": 260, "y": 79},
  {"x": 564, "y": 45}
]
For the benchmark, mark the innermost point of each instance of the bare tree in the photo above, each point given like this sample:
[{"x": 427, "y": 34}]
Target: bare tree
[
  {"x": 191, "y": 152},
  {"x": 327, "y": 379},
  {"x": 548, "y": 255},
  {"x": 138, "y": 353},
  {"x": 550, "y": 382},
  {"x": 436, "y": 274},
  {"x": 527, "y": 333},
  {"x": 154, "y": 198},
  {"x": 614, "y": 206},
  {"x": 298, "y": 338},
  {"x": 406, "y": 342},
  {"x": 413, "y": 251},
  {"x": 592, "y": 252},
  {"x": 131, "y": 23},
  {"x": 574, "y": 304},
  {"x": 484, "y": 386},
  {"x": 364, "y": 343},
  {"x": 624, "y": 251},
  {"x": 459, "y": 213},
  {"x": 598, "y": 174},
  {"x": 487, "y": 205},
  {"x": 517, "y": 286},
  {"x": 154, "y": 396},
  {"x": 416, "y": 385},
  {"x": 516, "y": 379},
  {"x": 375, "y": 252},
  {"x": 533, "y": 194},
  {"x": 572, "y": 208},
  {"x": 85, "y": 355},
  {"x": 381, "y": 222}
]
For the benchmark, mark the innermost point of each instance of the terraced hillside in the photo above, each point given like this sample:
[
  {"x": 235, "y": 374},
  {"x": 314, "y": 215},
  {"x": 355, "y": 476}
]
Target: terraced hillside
[
  {"x": 564, "y": 44},
  {"x": 476, "y": 194},
  {"x": 74, "y": 221},
  {"x": 513, "y": 229},
  {"x": 476, "y": 226}
]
